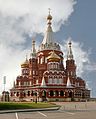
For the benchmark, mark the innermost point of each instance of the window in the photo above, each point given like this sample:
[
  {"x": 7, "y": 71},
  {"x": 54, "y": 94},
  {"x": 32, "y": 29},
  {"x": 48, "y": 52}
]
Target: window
[
  {"x": 50, "y": 80},
  {"x": 38, "y": 60},
  {"x": 45, "y": 60},
  {"x": 17, "y": 94},
  {"x": 19, "y": 83},
  {"x": 61, "y": 93},
  {"x": 33, "y": 72},
  {"x": 30, "y": 83},
  {"x": 32, "y": 93},
  {"x": 30, "y": 72},
  {"x": 57, "y": 81},
  {"x": 28, "y": 93},
  {"x": 53, "y": 80},
  {"x": 57, "y": 93},
  {"x": 51, "y": 93},
  {"x": 60, "y": 81},
  {"x": 42, "y": 59},
  {"x": 36, "y": 81}
]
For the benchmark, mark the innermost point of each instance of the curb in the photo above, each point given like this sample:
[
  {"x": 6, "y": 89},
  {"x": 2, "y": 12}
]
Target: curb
[{"x": 29, "y": 110}]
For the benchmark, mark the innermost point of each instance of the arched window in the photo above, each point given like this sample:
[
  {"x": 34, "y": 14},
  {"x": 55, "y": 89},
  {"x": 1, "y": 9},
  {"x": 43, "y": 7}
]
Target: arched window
[
  {"x": 30, "y": 83},
  {"x": 17, "y": 94},
  {"x": 53, "y": 81},
  {"x": 57, "y": 93},
  {"x": 57, "y": 81},
  {"x": 37, "y": 81},
  {"x": 32, "y": 93},
  {"x": 24, "y": 94},
  {"x": 45, "y": 60},
  {"x": 61, "y": 93},
  {"x": 42, "y": 59},
  {"x": 44, "y": 93},
  {"x": 19, "y": 83},
  {"x": 33, "y": 72},
  {"x": 28, "y": 93},
  {"x": 60, "y": 81},
  {"x": 50, "y": 80},
  {"x": 30, "y": 72},
  {"x": 51, "y": 93},
  {"x": 38, "y": 60}
]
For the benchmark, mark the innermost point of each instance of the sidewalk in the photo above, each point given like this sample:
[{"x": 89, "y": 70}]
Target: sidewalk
[{"x": 29, "y": 110}]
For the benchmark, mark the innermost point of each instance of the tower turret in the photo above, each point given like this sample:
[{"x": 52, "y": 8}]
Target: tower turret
[
  {"x": 70, "y": 62},
  {"x": 70, "y": 54},
  {"x": 33, "y": 50},
  {"x": 25, "y": 67}
]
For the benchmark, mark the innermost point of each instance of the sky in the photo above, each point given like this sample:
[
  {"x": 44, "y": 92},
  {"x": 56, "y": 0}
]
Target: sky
[{"x": 21, "y": 20}]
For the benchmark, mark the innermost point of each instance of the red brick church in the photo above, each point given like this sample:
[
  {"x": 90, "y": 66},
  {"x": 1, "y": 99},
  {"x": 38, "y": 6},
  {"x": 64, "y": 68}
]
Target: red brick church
[{"x": 44, "y": 76}]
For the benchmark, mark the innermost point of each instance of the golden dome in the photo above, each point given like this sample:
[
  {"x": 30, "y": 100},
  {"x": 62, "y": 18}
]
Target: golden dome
[
  {"x": 53, "y": 57},
  {"x": 25, "y": 64},
  {"x": 49, "y": 17}
]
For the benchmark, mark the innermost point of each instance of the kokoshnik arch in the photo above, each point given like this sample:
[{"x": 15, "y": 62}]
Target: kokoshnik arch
[{"x": 44, "y": 76}]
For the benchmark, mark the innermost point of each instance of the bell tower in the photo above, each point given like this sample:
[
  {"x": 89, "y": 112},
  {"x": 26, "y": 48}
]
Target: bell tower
[{"x": 70, "y": 62}]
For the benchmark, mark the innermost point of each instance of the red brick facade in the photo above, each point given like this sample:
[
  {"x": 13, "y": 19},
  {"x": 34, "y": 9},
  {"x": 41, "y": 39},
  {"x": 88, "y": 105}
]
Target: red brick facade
[{"x": 44, "y": 76}]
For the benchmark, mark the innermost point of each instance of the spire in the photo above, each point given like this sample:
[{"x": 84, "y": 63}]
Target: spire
[
  {"x": 49, "y": 18},
  {"x": 33, "y": 51},
  {"x": 48, "y": 41},
  {"x": 68, "y": 83},
  {"x": 49, "y": 33},
  {"x": 43, "y": 82},
  {"x": 69, "y": 55}
]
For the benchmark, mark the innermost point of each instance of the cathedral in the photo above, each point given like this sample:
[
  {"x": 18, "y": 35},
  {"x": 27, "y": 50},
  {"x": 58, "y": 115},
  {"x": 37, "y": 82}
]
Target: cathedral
[{"x": 44, "y": 76}]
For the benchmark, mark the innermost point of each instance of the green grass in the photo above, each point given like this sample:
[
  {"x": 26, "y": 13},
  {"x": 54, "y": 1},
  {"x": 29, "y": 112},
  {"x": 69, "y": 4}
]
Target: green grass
[{"x": 24, "y": 105}]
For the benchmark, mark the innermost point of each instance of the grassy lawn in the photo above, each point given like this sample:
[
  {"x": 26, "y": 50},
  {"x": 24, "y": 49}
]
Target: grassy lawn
[{"x": 24, "y": 105}]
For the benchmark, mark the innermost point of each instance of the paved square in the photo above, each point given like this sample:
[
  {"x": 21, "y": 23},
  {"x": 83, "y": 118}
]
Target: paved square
[{"x": 68, "y": 110}]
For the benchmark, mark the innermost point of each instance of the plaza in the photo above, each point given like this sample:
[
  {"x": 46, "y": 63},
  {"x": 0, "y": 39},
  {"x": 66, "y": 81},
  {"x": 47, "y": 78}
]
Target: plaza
[{"x": 68, "y": 110}]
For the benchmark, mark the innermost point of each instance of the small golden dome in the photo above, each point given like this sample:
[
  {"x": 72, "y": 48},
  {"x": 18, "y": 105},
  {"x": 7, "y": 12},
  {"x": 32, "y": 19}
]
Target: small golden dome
[
  {"x": 25, "y": 64},
  {"x": 70, "y": 43},
  {"x": 49, "y": 17},
  {"x": 53, "y": 57}
]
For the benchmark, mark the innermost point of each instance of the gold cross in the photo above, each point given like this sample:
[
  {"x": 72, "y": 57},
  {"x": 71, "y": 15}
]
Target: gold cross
[{"x": 49, "y": 10}]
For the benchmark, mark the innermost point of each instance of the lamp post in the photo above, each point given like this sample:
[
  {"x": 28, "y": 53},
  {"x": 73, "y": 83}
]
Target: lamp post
[
  {"x": 36, "y": 97},
  {"x": 4, "y": 81}
]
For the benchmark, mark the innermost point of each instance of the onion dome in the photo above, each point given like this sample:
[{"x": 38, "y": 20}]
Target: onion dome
[
  {"x": 49, "y": 17},
  {"x": 53, "y": 57},
  {"x": 25, "y": 64}
]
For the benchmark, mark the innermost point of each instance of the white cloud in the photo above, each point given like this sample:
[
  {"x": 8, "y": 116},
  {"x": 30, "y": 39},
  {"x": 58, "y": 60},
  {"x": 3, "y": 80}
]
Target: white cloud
[{"x": 20, "y": 17}]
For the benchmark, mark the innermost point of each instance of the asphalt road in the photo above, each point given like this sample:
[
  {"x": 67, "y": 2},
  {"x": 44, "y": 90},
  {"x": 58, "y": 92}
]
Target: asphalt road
[
  {"x": 67, "y": 111},
  {"x": 51, "y": 115}
]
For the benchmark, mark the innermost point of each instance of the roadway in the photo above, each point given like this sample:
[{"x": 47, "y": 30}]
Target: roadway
[{"x": 67, "y": 111}]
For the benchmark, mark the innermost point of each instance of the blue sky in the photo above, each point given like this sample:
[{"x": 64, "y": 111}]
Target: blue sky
[
  {"x": 20, "y": 19},
  {"x": 82, "y": 28}
]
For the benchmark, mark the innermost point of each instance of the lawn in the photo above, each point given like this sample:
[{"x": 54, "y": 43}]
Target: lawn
[{"x": 24, "y": 105}]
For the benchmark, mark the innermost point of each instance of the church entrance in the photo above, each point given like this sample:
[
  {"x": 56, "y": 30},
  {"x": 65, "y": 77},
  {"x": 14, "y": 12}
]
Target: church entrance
[
  {"x": 44, "y": 95},
  {"x": 71, "y": 95}
]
